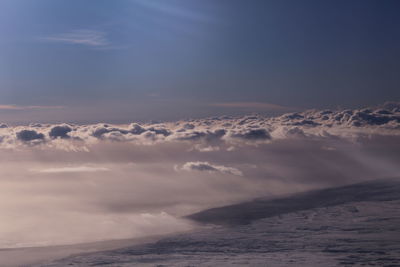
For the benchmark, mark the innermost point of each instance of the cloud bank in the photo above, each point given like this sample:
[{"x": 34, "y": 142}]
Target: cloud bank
[
  {"x": 105, "y": 177},
  {"x": 219, "y": 131}
]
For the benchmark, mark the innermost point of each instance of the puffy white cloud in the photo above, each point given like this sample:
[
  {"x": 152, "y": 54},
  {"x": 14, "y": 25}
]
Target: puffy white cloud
[
  {"x": 218, "y": 132},
  {"x": 206, "y": 166},
  {"x": 202, "y": 148}
]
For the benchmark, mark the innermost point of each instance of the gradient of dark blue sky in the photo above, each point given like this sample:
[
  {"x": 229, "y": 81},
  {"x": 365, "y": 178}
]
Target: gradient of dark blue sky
[{"x": 173, "y": 57}]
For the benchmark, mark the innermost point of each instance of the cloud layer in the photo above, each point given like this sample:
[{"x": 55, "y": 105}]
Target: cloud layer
[
  {"x": 124, "y": 180},
  {"x": 219, "y": 132}
]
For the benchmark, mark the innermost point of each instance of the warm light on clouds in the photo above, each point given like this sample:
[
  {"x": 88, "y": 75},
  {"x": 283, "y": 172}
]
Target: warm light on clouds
[{"x": 120, "y": 118}]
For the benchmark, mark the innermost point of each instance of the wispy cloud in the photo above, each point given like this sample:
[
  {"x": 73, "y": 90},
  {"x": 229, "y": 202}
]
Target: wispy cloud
[
  {"x": 174, "y": 10},
  {"x": 81, "y": 37},
  {"x": 17, "y": 107},
  {"x": 73, "y": 169},
  {"x": 251, "y": 105}
]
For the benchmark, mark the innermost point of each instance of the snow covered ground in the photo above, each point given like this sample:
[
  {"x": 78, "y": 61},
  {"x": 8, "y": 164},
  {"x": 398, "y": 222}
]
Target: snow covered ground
[{"x": 357, "y": 225}]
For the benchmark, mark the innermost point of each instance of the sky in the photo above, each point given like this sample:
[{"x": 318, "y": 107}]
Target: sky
[{"x": 141, "y": 60}]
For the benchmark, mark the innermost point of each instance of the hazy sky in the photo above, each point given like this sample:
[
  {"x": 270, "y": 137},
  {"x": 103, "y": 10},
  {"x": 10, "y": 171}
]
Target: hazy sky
[{"x": 124, "y": 60}]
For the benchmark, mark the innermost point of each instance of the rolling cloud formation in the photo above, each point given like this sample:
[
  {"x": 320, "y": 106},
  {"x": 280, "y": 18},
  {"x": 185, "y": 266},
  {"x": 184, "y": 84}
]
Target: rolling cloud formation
[{"x": 219, "y": 131}]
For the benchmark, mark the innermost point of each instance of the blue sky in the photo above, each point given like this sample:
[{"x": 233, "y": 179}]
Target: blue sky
[{"x": 96, "y": 60}]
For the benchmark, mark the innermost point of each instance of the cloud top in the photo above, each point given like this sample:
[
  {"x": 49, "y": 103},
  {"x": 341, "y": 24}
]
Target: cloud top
[
  {"x": 29, "y": 135},
  {"x": 218, "y": 132}
]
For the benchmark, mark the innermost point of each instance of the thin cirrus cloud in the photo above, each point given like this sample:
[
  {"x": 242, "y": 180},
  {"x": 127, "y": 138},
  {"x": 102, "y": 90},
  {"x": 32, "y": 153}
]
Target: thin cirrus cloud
[
  {"x": 18, "y": 107},
  {"x": 73, "y": 169},
  {"x": 88, "y": 38},
  {"x": 174, "y": 11}
]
